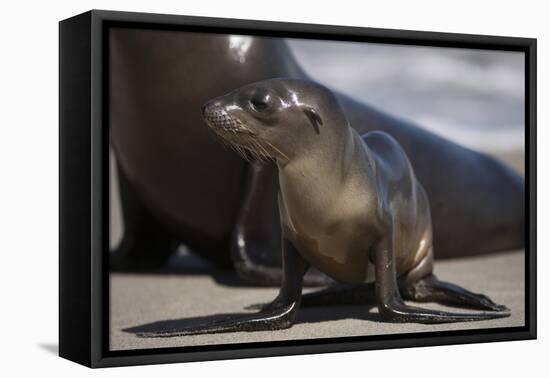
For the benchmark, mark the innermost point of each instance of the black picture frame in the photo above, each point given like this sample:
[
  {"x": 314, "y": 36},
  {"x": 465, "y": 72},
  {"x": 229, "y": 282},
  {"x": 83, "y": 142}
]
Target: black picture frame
[{"x": 83, "y": 181}]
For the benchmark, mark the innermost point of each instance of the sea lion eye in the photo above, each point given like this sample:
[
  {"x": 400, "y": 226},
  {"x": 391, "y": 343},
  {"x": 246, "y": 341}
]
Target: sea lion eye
[{"x": 260, "y": 101}]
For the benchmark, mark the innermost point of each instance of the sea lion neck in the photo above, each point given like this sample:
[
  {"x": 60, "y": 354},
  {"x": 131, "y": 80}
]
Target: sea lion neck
[{"x": 332, "y": 153}]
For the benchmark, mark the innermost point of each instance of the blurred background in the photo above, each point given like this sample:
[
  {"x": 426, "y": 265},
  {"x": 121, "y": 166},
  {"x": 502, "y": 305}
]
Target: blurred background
[{"x": 473, "y": 97}]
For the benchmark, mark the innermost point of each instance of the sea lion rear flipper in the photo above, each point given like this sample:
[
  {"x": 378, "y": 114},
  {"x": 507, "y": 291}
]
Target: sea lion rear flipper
[
  {"x": 431, "y": 289},
  {"x": 391, "y": 305}
]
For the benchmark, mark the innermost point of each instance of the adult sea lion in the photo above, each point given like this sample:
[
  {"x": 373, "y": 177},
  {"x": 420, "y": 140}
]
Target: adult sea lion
[
  {"x": 178, "y": 185},
  {"x": 350, "y": 206}
]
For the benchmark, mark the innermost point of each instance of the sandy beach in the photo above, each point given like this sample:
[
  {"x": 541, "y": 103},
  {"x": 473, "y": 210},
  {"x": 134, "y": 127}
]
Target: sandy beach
[{"x": 148, "y": 302}]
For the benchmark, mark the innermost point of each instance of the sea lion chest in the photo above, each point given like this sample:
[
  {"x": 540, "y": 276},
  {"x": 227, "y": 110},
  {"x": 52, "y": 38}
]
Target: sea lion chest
[{"x": 331, "y": 226}]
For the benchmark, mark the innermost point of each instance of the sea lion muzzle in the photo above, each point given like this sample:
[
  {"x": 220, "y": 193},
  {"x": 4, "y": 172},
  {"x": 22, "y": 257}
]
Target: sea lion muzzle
[{"x": 219, "y": 120}]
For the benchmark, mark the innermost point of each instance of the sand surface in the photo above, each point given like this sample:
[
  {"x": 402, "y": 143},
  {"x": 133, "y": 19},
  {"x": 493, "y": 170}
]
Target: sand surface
[{"x": 191, "y": 289}]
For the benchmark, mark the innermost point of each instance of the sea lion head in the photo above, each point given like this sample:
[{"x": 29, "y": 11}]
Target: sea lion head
[{"x": 275, "y": 119}]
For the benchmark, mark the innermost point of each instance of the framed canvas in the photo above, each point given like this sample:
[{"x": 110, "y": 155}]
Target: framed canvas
[{"x": 384, "y": 195}]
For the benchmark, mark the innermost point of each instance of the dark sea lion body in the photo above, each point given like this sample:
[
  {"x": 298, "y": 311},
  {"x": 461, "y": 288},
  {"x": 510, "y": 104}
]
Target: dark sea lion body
[
  {"x": 477, "y": 202},
  {"x": 187, "y": 188},
  {"x": 189, "y": 183},
  {"x": 350, "y": 206}
]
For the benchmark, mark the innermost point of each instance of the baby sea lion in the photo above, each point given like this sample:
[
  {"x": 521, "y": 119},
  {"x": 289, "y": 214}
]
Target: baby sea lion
[{"x": 349, "y": 206}]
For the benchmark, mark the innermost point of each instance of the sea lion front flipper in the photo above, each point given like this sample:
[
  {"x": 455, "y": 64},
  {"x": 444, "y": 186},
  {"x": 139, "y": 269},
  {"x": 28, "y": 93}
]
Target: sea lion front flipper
[
  {"x": 431, "y": 289},
  {"x": 256, "y": 240},
  {"x": 267, "y": 320},
  {"x": 391, "y": 305},
  {"x": 279, "y": 314}
]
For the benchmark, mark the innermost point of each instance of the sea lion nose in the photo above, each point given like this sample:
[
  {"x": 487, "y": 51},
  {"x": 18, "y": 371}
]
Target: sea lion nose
[{"x": 203, "y": 109}]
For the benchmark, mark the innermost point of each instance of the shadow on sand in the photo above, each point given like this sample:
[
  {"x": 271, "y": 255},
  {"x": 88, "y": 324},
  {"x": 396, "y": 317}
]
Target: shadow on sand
[
  {"x": 309, "y": 315},
  {"x": 189, "y": 264}
]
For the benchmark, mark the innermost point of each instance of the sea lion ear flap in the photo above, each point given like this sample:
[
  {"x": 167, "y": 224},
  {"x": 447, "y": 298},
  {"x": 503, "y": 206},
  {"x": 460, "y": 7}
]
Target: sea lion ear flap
[{"x": 314, "y": 118}]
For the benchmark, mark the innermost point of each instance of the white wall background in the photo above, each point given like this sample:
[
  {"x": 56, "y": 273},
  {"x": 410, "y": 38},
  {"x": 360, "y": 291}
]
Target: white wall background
[{"x": 29, "y": 186}]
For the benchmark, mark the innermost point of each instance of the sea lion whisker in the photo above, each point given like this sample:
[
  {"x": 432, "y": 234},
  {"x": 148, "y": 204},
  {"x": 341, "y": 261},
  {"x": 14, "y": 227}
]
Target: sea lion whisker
[
  {"x": 267, "y": 156},
  {"x": 258, "y": 149},
  {"x": 262, "y": 149},
  {"x": 251, "y": 154},
  {"x": 277, "y": 150},
  {"x": 255, "y": 148},
  {"x": 243, "y": 153},
  {"x": 254, "y": 151}
]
